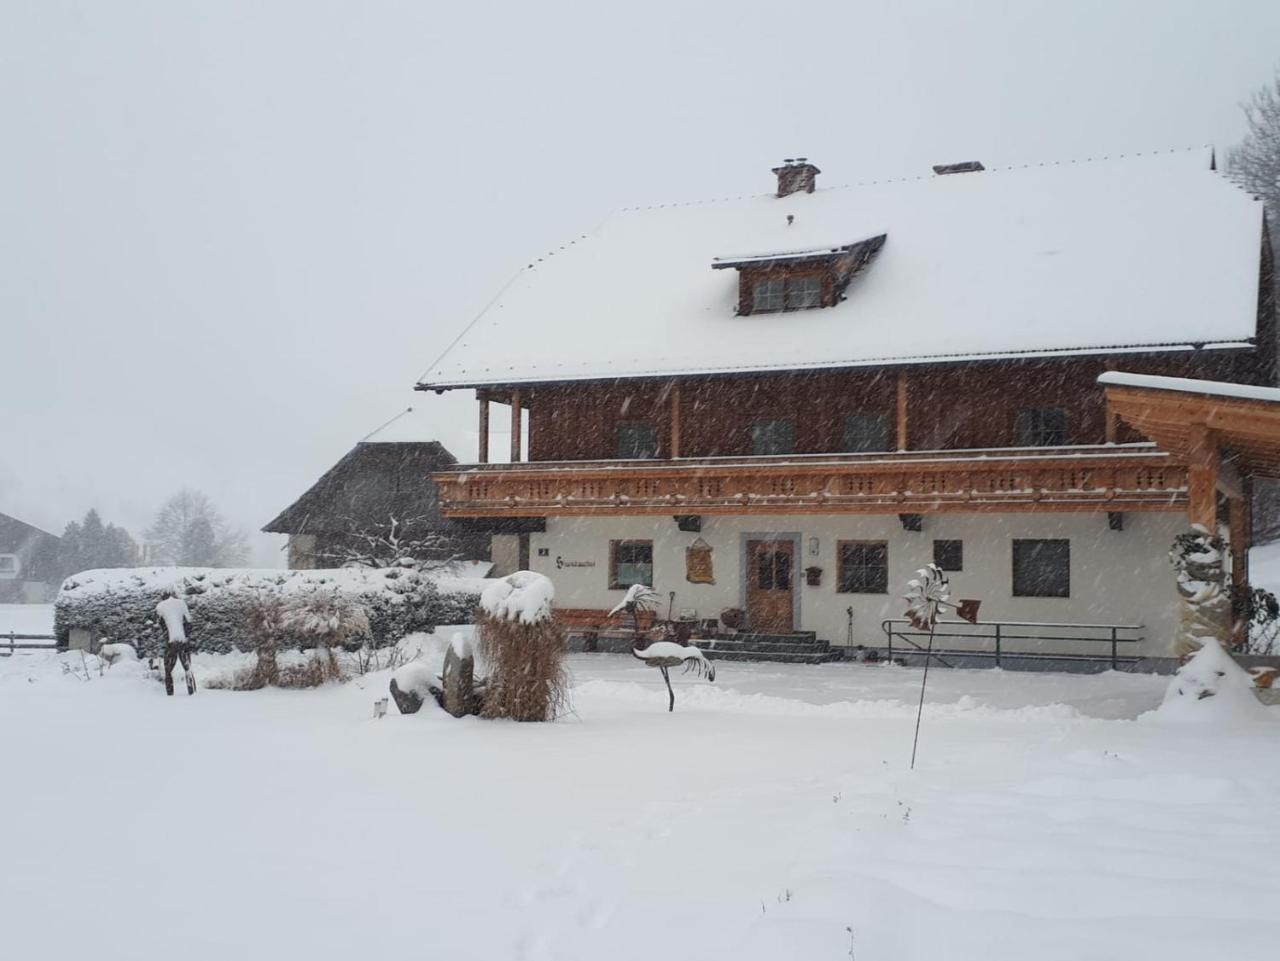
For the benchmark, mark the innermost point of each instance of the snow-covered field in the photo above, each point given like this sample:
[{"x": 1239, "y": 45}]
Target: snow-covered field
[
  {"x": 771, "y": 816},
  {"x": 26, "y": 618}
]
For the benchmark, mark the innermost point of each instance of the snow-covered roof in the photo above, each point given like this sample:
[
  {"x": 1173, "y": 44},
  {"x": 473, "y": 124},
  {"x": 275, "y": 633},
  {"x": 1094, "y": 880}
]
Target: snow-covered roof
[
  {"x": 1136, "y": 253},
  {"x": 1186, "y": 385}
]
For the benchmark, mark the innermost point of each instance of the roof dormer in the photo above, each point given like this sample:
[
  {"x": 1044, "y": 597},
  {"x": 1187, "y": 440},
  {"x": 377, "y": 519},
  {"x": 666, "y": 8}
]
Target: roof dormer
[{"x": 798, "y": 279}]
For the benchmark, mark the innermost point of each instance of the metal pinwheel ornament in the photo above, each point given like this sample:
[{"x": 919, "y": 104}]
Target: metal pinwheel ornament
[{"x": 927, "y": 593}]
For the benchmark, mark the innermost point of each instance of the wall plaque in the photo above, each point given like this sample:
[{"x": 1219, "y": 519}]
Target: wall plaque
[{"x": 697, "y": 563}]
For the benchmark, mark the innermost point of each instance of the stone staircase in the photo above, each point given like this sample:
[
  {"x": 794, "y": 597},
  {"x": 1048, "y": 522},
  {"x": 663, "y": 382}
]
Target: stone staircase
[{"x": 800, "y": 648}]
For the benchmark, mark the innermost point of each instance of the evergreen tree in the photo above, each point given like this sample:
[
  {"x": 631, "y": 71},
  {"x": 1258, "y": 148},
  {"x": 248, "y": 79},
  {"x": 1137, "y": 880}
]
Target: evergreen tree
[
  {"x": 91, "y": 544},
  {"x": 189, "y": 532}
]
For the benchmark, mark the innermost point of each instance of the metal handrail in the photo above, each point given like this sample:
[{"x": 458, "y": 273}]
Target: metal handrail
[{"x": 998, "y": 634}]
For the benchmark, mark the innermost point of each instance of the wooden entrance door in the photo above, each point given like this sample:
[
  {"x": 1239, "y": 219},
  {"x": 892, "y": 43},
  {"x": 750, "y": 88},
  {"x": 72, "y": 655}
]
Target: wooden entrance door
[{"x": 770, "y": 575}]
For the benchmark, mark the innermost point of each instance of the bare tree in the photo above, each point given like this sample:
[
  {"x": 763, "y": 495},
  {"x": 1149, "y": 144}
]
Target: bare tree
[
  {"x": 190, "y": 532},
  {"x": 1255, "y": 161},
  {"x": 400, "y": 542}
]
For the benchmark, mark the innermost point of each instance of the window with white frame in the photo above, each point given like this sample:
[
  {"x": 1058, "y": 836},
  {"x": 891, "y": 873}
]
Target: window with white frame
[
  {"x": 9, "y": 566},
  {"x": 804, "y": 292},
  {"x": 768, "y": 295}
]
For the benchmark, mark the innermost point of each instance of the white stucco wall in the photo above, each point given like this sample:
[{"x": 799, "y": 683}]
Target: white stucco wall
[
  {"x": 1116, "y": 576},
  {"x": 504, "y": 552}
]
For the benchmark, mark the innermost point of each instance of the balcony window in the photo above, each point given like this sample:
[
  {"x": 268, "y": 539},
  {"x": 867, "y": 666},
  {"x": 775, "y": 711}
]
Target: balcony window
[
  {"x": 630, "y": 562},
  {"x": 1041, "y": 427},
  {"x": 1041, "y": 568},
  {"x": 864, "y": 567},
  {"x": 773, "y": 437},
  {"x": 637, "y": 441},
  {"x": 865, "y": 432}
]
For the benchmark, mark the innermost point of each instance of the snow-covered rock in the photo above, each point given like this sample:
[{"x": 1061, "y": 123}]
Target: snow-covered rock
[
  {"x": 412, "y": 686},
  {"x": 524, "y": 596}
]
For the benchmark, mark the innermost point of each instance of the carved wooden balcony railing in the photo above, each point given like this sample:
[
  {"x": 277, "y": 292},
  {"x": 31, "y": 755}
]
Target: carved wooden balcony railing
[{"x": 1113, "y": 478}]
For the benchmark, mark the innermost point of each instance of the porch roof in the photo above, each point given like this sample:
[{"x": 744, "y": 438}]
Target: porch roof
[{"x": 1173, "y": 411}]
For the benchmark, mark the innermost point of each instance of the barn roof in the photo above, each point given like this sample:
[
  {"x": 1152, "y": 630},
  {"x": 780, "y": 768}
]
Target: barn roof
[
  {"x": 1143, "y": 253},
  {"x": 373, "y": 482},
  {"x": 14, "y": 532}
]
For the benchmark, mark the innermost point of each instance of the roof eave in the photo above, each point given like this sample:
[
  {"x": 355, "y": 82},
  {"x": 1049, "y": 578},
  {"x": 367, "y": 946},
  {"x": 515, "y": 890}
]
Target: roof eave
[{"x": 1244, "y": 344}]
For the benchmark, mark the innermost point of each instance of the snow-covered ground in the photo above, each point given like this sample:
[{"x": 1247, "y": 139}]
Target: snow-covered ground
[
  {"x": 26, "y": 618},
  {"x": 1264, "y": 567},
  {"x": 771, "y": 816}
]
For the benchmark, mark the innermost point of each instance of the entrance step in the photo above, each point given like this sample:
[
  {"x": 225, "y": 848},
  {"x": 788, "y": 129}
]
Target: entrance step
[
  {"x": 773, "y": 656},
  {"x": 802, "y": 647}
]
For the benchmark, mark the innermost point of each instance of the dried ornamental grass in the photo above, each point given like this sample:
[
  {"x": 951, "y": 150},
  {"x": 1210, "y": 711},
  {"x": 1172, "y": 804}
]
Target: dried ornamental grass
[{"x": 524, "y": 648}]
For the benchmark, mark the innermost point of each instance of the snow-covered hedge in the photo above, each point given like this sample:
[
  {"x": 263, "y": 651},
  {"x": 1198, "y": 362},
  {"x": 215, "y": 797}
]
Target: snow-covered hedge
[{"x": 119, "y": 605}]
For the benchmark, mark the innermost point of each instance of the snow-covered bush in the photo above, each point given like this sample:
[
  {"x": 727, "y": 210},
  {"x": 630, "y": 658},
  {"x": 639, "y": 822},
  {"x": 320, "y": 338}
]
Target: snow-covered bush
[
  {"x": 1210, "y": 686},
  {"x": 1263, "y": 612},
  {"x": 325, "y": 619},
  {"x": 120, "y": 604},
  {"x": 523, "y": 647},
  {"x": 1205, "y": 614}
]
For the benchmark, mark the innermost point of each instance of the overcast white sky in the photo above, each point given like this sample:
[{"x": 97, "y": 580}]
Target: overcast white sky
[{"x": 233, "y": 235}]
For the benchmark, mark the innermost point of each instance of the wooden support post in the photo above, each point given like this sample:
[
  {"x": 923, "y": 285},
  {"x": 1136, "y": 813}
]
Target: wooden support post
[
  {"x": 1110, "y": 420},
  {"x": 675, "y": 421},
  {"x": 902, "y": 410},
  {"x": 1240, "y": 525},
  {"x": 482, "y": 456},
  {"x": 516, "y": 426},
  {"x": 1202, "y": 481}
]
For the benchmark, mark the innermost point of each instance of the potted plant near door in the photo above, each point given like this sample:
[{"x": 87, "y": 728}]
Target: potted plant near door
[{"x": 733, "y": 618}]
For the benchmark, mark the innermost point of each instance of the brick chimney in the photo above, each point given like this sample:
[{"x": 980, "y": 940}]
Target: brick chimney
[{"x": 796, "y": 174}]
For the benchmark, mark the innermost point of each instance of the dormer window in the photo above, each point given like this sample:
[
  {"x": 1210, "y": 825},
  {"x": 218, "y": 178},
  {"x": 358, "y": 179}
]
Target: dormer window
[
  {"x": 786, "y": 293},
  {"x": 768, "y": 295},
  {"x": 798, "y": 279}
]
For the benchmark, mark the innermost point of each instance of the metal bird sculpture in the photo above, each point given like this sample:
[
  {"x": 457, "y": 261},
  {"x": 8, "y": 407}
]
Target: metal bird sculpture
[{"x": 663, "y": 655}]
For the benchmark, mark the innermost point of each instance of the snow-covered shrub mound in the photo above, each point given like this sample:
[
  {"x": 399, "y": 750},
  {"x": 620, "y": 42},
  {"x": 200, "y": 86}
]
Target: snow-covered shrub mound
[
  {"x": 524, "y": 597},
  {"x": 1210, "y": 686},
  {"x": 120, "y": 604},
  {"x": 111, "y": 653}
]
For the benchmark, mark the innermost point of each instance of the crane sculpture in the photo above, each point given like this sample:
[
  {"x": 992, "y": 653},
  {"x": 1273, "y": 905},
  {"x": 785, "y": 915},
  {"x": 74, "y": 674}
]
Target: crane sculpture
[{"x": 663, "y": 655}]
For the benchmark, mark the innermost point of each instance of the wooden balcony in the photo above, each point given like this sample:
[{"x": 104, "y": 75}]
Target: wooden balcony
[{"x": 1130, "y": 477}]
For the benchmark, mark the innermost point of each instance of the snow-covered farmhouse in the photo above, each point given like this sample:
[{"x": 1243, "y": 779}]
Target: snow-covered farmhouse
[
  {"x": 784, "y": 404},
  {"x": 28, "y": 562}
]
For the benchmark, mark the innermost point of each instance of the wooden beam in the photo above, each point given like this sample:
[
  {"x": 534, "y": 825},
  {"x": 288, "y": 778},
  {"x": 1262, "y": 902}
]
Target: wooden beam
[
  {"x": 1202, "y": 480},
  {"x": 516, "y": 426},
  {"x": 483, "y": 452},
  {"x": 1110, "y": 419},
  {"x": 903, "y": 436},
  {"x": 675, "y": 421}
]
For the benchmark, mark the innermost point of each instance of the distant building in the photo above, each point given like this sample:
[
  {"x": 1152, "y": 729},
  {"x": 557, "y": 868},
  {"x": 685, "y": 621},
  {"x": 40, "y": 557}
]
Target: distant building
[
  {"x": 373, "y": 486},
  {"x": 28, "y": 563}
]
